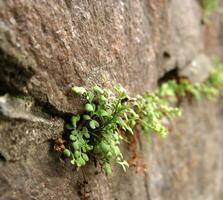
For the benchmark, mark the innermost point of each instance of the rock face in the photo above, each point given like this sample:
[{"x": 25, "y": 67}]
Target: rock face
[
  {"x": 214, "y": 30},
  {"x": 47, "y": 46}
]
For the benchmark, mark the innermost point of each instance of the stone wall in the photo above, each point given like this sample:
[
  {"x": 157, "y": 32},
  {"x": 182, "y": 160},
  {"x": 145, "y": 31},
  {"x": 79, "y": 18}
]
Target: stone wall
[{"x": 47, "y": 46}]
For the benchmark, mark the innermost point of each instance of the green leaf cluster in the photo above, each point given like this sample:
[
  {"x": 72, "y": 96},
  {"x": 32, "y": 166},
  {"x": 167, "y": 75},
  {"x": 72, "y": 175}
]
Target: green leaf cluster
[
  {"x": 109, "y": 117},
  {"x": 173, "y": 89},
  {"x": 152, "y": 109}
]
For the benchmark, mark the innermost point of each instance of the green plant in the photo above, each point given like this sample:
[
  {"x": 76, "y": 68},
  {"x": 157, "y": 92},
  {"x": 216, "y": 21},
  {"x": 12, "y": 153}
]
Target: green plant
[
  {"x": 175, "y": 89},
  {"x": 215, "y": 79},
  {"x": 151, "y": 110},
  {"x": 109, "y": 117},
  {"x": 209, "y": 6}
]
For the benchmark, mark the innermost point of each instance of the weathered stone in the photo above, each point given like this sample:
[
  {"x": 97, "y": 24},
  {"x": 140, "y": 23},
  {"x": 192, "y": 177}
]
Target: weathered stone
[
  {"x": 82, "y": 43},
  {"x": 213, "y": 37},
  {"x": 57, "y": 44},
  {"x": 189, "y": 163},
  {"x": 47, "y": 46},
  {"x": 19, "y": 108},
  {"x": 198, "y": 70},
  {"x": 184, "y": 33},
  {"x": 186, "y": 165}
]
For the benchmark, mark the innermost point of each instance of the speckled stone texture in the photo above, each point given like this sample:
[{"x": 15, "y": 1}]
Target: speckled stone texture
[{"x": 47, "y": 46}]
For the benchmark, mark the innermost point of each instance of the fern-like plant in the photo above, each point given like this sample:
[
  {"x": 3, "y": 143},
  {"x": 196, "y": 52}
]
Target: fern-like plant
[
  {"x": 110, "y": 116},
  {"x": 175, "y": 89}
]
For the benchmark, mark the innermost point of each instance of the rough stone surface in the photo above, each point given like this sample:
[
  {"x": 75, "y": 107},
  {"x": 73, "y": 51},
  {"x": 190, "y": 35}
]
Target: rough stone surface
[
  {"x": 198, "y": 69},
  {"x": 187, "y": 165},
  {"x": 190, "y": 161},
  {"x": 184, "y": 33},
  {"x": 47, "y": 46},
  {"x": 213, "y": 37}
]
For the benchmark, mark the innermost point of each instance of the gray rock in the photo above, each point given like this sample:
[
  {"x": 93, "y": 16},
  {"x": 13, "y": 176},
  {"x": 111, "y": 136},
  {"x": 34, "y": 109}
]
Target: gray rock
[
  {"x": 184, "y": 34},
  {"x": 198, "y": 70}
]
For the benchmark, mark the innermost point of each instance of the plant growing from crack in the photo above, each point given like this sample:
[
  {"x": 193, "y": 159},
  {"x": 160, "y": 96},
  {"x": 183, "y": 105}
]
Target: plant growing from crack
[
  {"x": 108, "y": 119},
  {"x": 111, "y": 116},
  {"x": 175, "y": 89}
]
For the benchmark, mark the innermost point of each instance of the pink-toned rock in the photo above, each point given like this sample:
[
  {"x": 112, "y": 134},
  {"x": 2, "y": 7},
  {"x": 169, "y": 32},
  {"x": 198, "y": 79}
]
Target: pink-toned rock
[{"x": 47, "y": 46}]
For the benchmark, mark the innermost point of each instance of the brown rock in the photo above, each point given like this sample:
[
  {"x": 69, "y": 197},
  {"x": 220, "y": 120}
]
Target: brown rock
[{"x": 47, "y": 46}]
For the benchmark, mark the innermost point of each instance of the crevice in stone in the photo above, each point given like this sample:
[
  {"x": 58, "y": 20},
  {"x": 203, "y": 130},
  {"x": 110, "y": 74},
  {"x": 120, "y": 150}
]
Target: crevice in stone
[
  {"x": 2, "y": 92},
  {"x": 14, "y": 77},
  {"x": 22, "y": 108},
  {"x": 48, "y": 108},
  {"x": 68, "y": 4},
  {"x": 166, "y": 55},
  {"x": 2, "y": 158},
  {"x": 13, "y": 74},
  {"x": 170, "y": 75},
  {"x": 38, "y": 108}
]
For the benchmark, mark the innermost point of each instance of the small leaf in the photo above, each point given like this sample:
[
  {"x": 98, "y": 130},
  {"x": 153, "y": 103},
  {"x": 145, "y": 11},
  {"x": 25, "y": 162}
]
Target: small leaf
[
  {"x": 103, "y": 113},
  {"x": 67, "y": 152},
  {"x": 85, "y": 132},
  {"x": 75, "y": 145},
  {"x": 116, "y": 136},
  {"x": 102, "y": 98},
  {"x": 78, "y": 90},
  {"x": 85, "y": 157},
  {"x": 72, "y": 137},
  {"x": 116, "y": 151},
  {"x": 69, "y": 127},
  {"x": 98, "y": 89},
  {"x": 84, "y": 149},
  {"x": 104, "y": 147},
  {"x": 109, "y": 155},
  {"x": 72, "y": 162},
  {"x": 121, "y": 90},
  {"x": 74, "y": 120},
  {"x": 122, "y": 124},
  {"x": 89, "y": 148},
  {"x": 124, "y": 164},
  {"x": 107, "y": 168},
  {"x": 89, "y": 107},
  {"x": 129, "y": 129},
  {"x": 80, "y": 162},
  {"x": 74, "y": 132},
  {"x": 77, "y": 154},
  {"x": 94, "y": 124},
  {"x": 90, "y": 96},
  {"x": 86, "y": 117}
]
